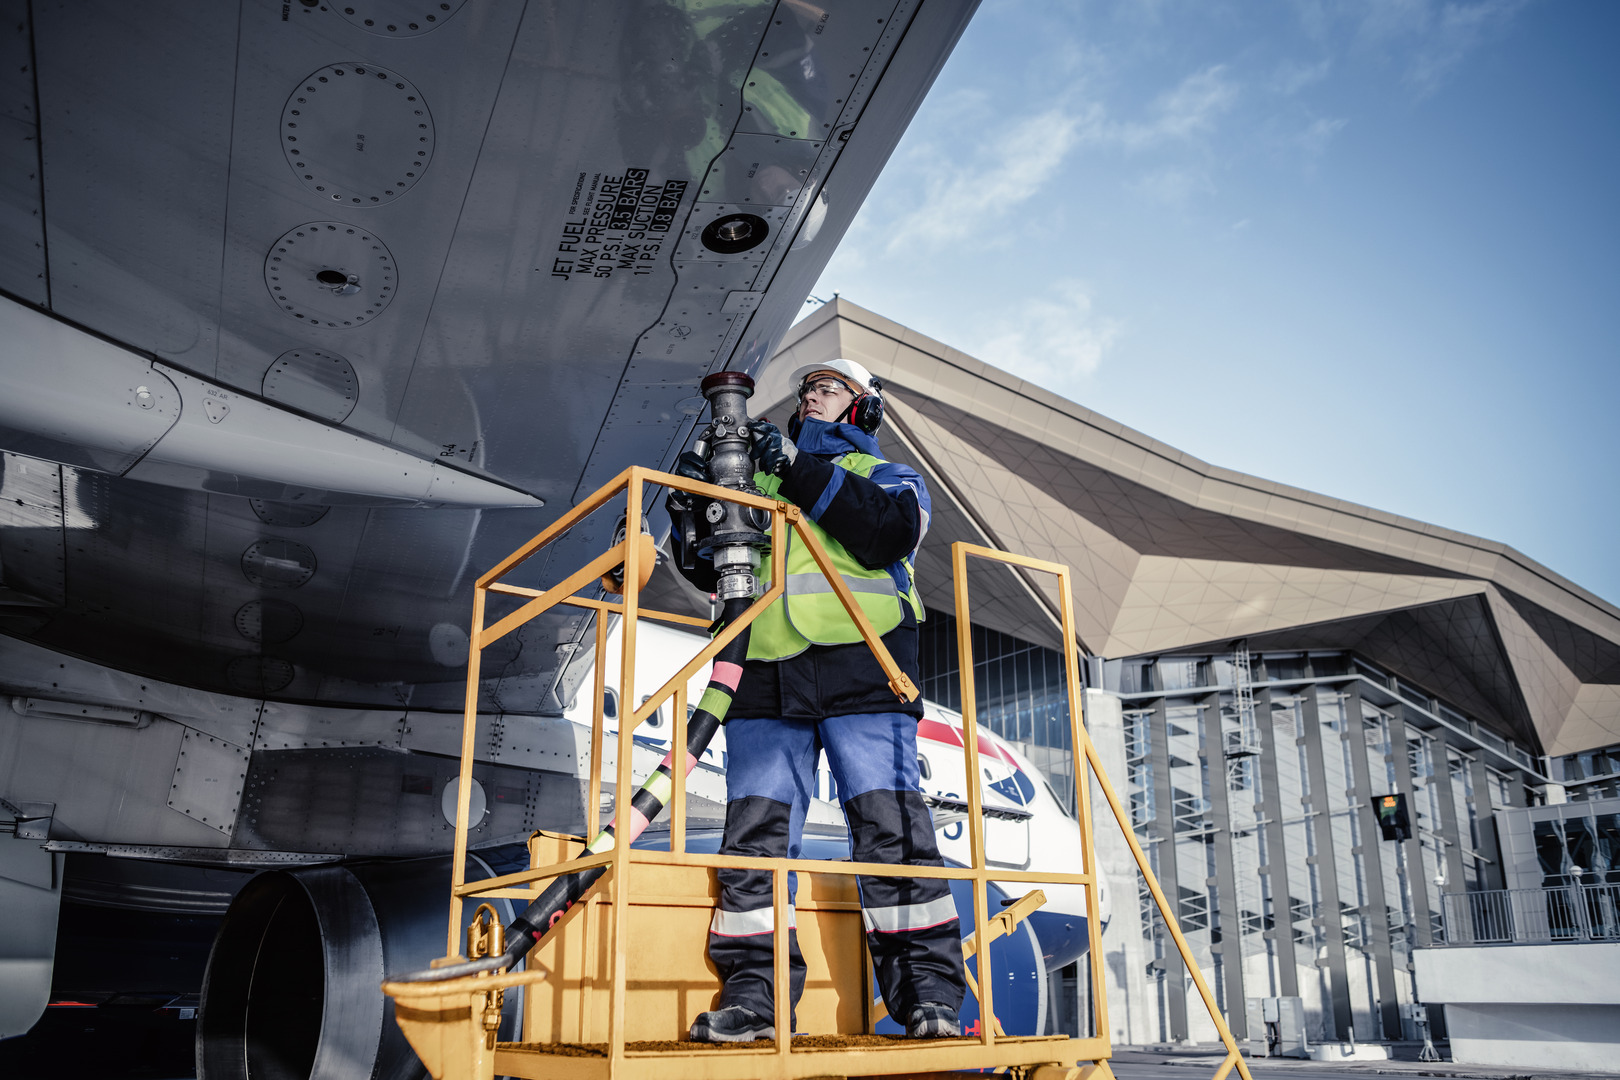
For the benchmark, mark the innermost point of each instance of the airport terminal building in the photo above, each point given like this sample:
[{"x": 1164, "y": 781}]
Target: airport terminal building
[{"x": 1262, "y": 662}]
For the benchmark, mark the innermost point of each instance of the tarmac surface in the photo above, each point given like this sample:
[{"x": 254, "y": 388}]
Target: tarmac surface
[{"x": 1189, "y": 1063}]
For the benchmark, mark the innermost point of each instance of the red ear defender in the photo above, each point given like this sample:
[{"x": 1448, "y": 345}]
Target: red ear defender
[{"x": 866, "y": 411}]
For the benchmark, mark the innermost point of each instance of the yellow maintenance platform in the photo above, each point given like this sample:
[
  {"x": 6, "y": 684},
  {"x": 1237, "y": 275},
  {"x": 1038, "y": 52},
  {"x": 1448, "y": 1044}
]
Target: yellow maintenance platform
[{"x": 611, "y": 991}]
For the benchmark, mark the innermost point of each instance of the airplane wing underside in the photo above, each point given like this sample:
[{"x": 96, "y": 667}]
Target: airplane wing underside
[{"x": 329, "y": 307}]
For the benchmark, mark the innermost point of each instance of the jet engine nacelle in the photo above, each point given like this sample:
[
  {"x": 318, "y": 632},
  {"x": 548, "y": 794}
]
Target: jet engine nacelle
[{"x": 293, "y": 982}]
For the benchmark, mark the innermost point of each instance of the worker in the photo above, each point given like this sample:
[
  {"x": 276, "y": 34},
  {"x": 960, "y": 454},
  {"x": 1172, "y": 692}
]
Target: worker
[{"x": 810, "y": 684}]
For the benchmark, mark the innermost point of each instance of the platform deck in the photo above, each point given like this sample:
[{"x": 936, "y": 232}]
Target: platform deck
[{"x": 811, "y": 1055}]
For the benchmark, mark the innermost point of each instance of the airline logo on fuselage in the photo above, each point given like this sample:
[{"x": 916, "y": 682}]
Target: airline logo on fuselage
[{"x": 1004, "y": 777}]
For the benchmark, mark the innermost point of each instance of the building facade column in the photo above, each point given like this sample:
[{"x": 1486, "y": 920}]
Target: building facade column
[
  {"x": 1164, "y": 826},
  {"x": 1412, "y": 848},
  {"x": 1281, "y": 930},
  {"x": 1230, "y": 945},
  {"x": 1328, "y": 915},
  {"x": 1453, "y": 832},
  {"x": 1372, "y": 855},
  {"x": 1491, "y": 875}
]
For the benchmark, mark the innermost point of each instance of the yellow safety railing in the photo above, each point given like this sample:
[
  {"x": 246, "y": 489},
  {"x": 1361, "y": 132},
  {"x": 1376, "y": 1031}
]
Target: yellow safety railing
[
  {"x": 431, "y": 1012},
  {"x": 635, "y": 554},
  {"x": 1083, "y": 750}
]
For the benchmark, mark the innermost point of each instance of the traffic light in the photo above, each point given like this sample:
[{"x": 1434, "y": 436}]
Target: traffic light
[{"x": 1392, "y": 819}]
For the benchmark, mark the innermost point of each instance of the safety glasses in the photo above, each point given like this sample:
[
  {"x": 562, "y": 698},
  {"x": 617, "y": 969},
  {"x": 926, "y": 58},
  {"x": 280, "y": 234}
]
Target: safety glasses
[{"x": 824, "y": 388}]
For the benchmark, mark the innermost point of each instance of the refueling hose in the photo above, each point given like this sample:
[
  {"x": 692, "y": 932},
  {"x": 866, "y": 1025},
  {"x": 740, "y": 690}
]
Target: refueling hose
[{"x": 649, "y": 801}]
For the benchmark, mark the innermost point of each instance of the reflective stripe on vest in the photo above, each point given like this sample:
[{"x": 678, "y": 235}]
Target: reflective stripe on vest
[
  {"x": 809, "y": 612},
  {"x": 808, "y": 584}
]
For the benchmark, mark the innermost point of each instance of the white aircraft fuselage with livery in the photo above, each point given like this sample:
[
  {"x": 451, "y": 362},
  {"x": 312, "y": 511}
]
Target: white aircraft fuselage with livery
[{"x": 1028, "y": 827}]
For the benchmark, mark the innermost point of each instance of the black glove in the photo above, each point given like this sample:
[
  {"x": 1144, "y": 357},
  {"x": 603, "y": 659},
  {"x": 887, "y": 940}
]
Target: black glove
[
  {"x": 773, "y": 450},
  {"x": 692, "y": 467},
  {"x": 682, "y": 505}
]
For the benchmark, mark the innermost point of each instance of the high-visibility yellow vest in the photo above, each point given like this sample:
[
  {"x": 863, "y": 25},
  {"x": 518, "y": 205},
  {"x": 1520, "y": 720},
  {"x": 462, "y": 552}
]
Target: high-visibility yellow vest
[{"x": 809, "y": 612}]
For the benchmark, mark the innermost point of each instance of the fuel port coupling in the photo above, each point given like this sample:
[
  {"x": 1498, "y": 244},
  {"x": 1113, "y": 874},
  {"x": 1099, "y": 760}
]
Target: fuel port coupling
[{"x": 736, "y": 536}]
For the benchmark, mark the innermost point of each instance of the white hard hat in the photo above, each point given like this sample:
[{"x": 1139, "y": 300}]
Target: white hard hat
[{"x": 847, "y": 370}]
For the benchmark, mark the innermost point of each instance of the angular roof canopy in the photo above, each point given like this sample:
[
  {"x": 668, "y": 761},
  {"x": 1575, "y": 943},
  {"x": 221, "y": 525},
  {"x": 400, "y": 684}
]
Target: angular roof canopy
[{"x": 1173, "y": 555}]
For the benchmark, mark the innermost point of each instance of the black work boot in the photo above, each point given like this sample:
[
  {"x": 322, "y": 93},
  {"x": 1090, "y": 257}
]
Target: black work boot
[
  {"x": 931, "y": 1020},
  {"x": 732, "y": 1024}
]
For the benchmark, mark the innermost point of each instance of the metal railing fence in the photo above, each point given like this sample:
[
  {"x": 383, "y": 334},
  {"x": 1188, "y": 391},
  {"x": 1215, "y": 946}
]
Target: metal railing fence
[{"x": 1555, "y": 914}]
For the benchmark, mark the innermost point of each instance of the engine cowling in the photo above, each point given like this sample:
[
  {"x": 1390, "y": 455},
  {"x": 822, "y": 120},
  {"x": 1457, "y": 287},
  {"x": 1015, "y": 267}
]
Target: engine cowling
[{"x": 292, "y": 986}]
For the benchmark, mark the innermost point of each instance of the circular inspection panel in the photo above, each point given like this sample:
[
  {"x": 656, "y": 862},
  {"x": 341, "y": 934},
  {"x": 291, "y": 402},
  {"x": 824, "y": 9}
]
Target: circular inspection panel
[
  {"x": 357, "y": 134},
  {"x": 448, "y": 644},
  {"x": 259, "y": 674},
  {"x": 397, "y": 18},
  {"x": 320, "y": 383},
  {"x": 269, "y": 622},
  {"x": 287, "y": 515},
  {"x": 477, "y": 802},
  {"x": 734, "y": 233},
  {"x": 278, "y": 564},
  {"x": 327, "y": 273}
]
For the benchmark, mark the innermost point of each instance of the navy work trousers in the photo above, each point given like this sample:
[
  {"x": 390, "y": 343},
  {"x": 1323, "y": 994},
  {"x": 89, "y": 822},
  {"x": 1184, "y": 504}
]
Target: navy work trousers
[{"x": 911, "y": 925}]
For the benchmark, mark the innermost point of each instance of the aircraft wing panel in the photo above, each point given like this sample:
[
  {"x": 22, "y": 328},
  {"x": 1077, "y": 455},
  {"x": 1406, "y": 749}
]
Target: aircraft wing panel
[
  {"x": 304, "y": 265},
  {"x": 22, "y": 225},
  {"x": 396, "y": 130},
  {"x": 33, "y": 541},
  {"x": 495, "y": 244},
  {"x": 556, "y": 267},
  {"x": 135, "y": 124}
]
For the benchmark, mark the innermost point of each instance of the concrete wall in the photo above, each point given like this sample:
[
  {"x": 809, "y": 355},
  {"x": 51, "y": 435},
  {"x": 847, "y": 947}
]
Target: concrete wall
[{"x": 1537, "y": 1006}]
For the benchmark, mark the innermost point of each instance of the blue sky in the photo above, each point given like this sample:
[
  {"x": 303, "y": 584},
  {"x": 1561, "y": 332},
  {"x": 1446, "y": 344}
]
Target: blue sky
[{"x": 1368, "y": 249}]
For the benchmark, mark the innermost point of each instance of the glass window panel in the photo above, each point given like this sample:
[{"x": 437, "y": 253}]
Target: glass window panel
[
  {"x": 1371, "y": 672},
  {"x": 1285, "y": 667},
  {"x": 1606, "y": 863},
  {"x": 1324, "y": 664}
]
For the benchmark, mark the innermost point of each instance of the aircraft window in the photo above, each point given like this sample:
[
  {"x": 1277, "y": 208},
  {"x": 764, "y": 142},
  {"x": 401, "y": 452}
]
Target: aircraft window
[
  {"x": 610, "y": 704},
  {"x": 922, "y": 768},
  {"x": 656, "y": 720}
]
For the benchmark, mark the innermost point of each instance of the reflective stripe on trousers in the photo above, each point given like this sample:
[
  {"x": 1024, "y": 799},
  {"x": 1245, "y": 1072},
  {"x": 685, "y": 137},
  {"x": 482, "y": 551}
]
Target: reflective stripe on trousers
[
  {"x": 748, "y": 923},
  {"x": 903, "y": 917}
]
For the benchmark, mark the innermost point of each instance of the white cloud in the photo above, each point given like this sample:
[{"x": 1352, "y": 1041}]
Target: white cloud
[
  {"x": 1385, "y": 20},
  {"x": 1192, "y": 108},
  {"x": 1174, "y": 186},
  {"x": 847, "y": 259},
  {"x": 1181, "y": 114},
  {"x": 1054, "y": 340},
  {"x": 1292, "y": 76},
  {"x": 1003, "y": 175},
  {"x": 1458, "y": 30},
  {"x": 969, "y": 105},
  {"x": 1438, "y": 34},
  {"x": 1180, "y": 121},
  {"x": 971, "y": 185},
  {"x": 962, "y": 196},
  {"x": 1318, "y": 133}
]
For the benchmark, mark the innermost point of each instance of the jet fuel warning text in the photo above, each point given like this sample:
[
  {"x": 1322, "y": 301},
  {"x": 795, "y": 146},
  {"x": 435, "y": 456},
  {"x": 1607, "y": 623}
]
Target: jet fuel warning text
[{"x": 616, "y": 225}]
